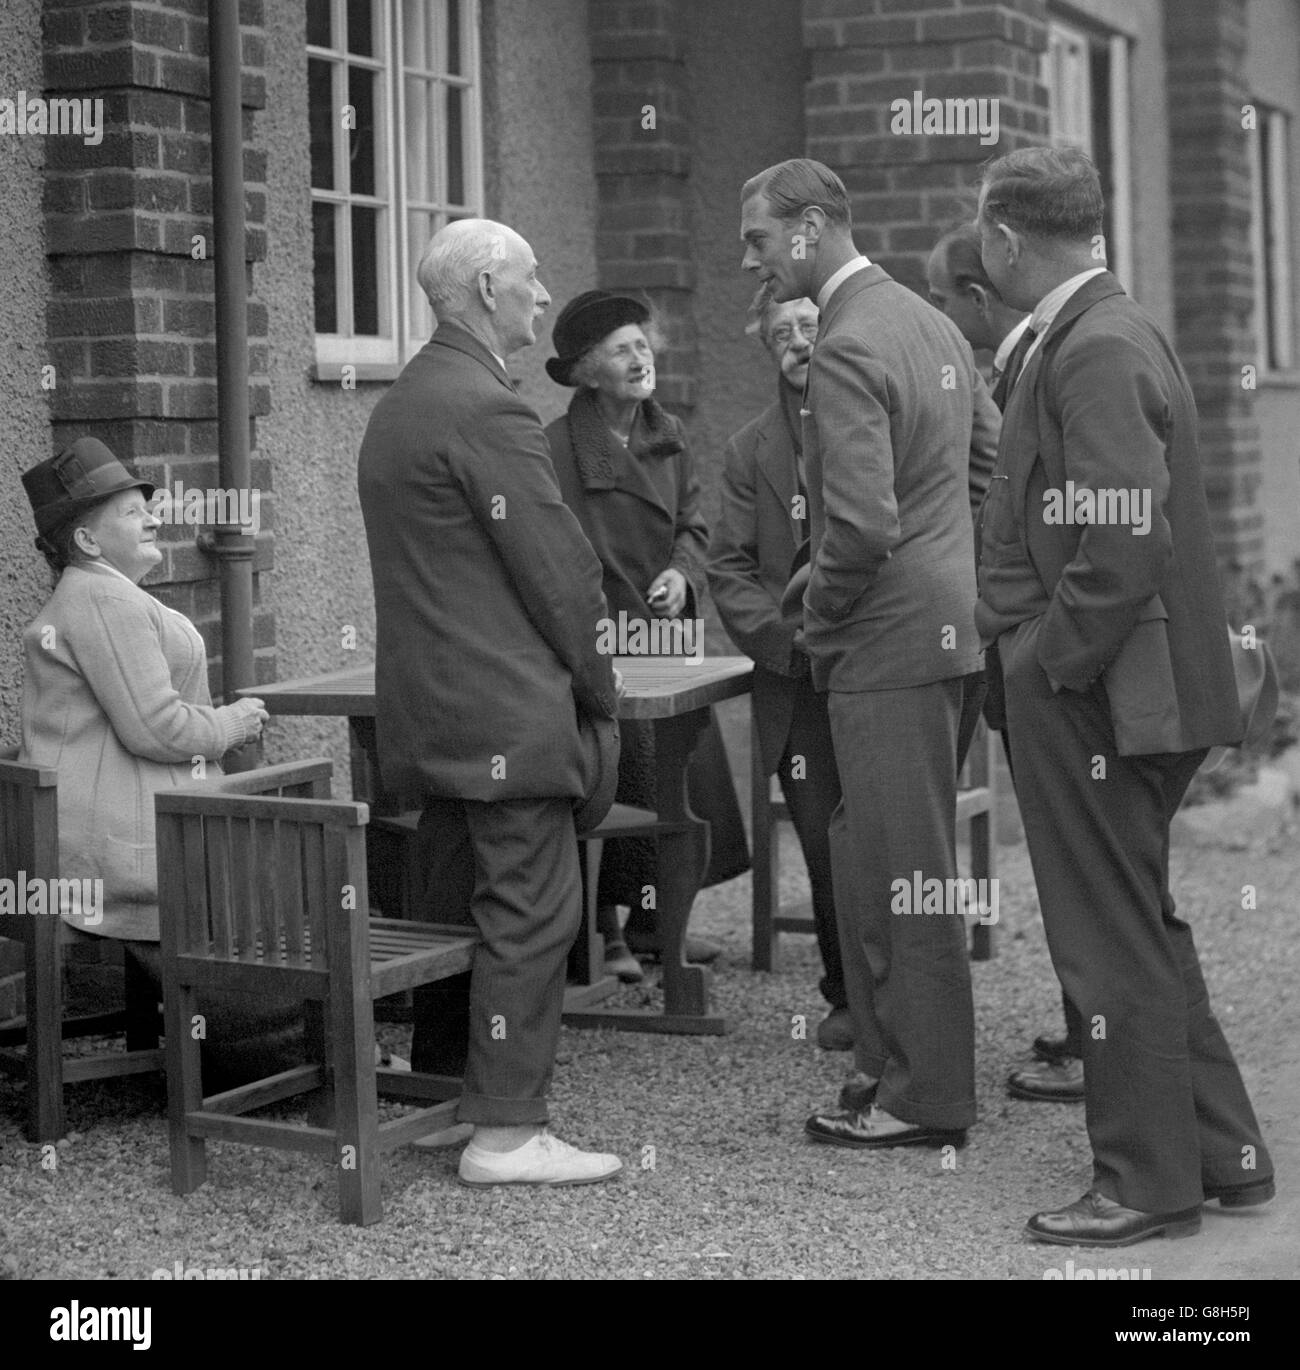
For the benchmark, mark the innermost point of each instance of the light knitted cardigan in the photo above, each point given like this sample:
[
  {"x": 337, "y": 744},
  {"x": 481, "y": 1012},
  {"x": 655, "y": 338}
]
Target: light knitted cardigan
[{"x": 115, "y": 699}]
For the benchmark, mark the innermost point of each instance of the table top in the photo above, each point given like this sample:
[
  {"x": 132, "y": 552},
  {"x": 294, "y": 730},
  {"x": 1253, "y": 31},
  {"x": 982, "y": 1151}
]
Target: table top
[{"x": 657, "y": 687}]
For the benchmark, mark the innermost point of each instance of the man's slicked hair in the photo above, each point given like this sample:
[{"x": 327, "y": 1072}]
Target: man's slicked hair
[
  {"x": 959, "y": 251},
  {"x": 449, "y": 266},
  {"x": 790, "y": 187},
  {"x": 1046, "y": 192}
]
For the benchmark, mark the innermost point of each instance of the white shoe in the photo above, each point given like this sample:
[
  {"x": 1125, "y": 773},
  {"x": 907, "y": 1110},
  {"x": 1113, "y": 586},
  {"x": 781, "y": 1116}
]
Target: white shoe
[
  {"x": 386, "y": 1059},
  {"x": 544, "y": 1159}
]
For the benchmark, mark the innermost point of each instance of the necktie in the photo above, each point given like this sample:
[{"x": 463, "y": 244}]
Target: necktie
[{"x": 1016, "y": 361}]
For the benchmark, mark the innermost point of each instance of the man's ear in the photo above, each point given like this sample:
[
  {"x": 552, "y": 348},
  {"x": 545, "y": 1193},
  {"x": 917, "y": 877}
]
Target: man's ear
[
  {"x": 812, "y": 223},
  {"x": 979, "y": 296},
  {"x": 487, "y": 291},
  {"x": 1010, "y": 243}
]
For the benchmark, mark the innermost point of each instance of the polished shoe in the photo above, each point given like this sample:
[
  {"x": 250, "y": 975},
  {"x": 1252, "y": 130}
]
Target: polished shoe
[
  {"x": 858, "y": 1092},
  {"x": 1053, "y": 1082},
  {"x": 1053, "y": 1048},
  {"x": 874, "y": 1129},
  {"x": 543, "y": 1159},
  {"x": 1241, "y": 1195},
  {"x": 1095, "y": 1220},
  {"x": 620, "y": 961},
  {"x": 835, "y": 1031},
  {"x": 698, "y": 951}
]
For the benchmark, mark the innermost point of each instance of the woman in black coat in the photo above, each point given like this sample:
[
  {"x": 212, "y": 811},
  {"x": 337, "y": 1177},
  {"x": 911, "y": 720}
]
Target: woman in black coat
[{"x": 625, "y": 470}]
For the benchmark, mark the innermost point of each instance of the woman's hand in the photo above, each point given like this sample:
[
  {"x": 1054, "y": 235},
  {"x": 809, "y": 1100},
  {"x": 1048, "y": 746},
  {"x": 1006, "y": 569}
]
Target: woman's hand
[
  {"x": 255, "y": 715},
  {"x": 667, "y": 595}
]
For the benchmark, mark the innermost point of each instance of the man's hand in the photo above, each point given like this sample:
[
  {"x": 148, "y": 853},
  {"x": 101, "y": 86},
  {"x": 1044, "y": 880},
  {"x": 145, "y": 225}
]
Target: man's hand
[
  {"x": 620, "y": 689},
  {"x": 667, "y": 595}
]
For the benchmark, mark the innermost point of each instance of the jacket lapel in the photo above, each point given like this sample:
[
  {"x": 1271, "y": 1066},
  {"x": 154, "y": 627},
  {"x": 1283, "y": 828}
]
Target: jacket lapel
[
  {"x": 458, "y": 339},
  {"x": 848, "y": 289}
]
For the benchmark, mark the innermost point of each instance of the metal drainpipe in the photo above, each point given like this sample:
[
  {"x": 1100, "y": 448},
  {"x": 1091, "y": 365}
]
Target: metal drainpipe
[{"x": 233, "y": 549}]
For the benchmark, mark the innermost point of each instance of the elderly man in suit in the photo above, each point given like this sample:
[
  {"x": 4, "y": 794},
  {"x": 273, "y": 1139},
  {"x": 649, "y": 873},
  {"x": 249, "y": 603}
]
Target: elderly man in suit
[
  {"x": 494, "y": 708},
  {"x": 888, "y": 618},
  {"x": 960, "y": 287},
  {"x": 762, "y": 524},
  {"x": 1098, "y": 583}
]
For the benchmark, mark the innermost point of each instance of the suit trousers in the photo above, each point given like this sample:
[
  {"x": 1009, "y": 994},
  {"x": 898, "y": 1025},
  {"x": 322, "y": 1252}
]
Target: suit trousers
[
  {"x": 907, "y": 974},
  {"x": 1167, "y": 1110},
  {"x": 811, "y": 794},
  {"x": 513, "y": 865}
]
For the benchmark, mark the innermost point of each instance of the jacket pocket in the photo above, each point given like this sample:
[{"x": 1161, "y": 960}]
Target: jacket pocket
[{"x": 1140, "y": 689}]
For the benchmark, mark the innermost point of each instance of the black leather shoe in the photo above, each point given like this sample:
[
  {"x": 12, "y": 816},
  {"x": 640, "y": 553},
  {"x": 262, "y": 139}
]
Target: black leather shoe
[
  {"x": 835, "y": 1031},
  {"x": 851, "y": 1127},
  {"x": 1241, "y": 1195},
  {"x": 858, "y": 1093},
  {"x": 1053, "y": 1048},
  {"x": 1053, "y": 1082},
  {"x": 1095, "y": 1220}
]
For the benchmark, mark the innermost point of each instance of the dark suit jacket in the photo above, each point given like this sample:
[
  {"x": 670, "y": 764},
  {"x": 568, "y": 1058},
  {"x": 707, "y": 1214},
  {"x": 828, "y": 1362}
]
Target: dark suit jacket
[
  {"x": 750, "y": 559},
  {"x": 487, "y": 594},
  {"x": 1104, "y": 402},
  {"x": 887, "y": 443}
]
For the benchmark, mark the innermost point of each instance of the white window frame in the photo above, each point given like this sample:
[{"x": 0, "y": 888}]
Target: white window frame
[
  {"x": 1067, "y": 73},
  {"x": 404, "y": 316},
  {"x": 1271, "y": 250}
]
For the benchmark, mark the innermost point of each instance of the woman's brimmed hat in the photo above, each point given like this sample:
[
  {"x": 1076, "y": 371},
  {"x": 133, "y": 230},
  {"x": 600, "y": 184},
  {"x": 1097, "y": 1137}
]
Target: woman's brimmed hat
[
  {"x": 587, "y": 319},
  {"x": 73, "y": 482}
]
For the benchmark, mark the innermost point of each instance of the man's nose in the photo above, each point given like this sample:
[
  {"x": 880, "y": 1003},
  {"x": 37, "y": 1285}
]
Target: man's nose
[{"x": 749, "y": 262}]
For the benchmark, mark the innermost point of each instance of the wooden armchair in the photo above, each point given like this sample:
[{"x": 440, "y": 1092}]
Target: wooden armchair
[
  {"x": 266, "y": 894},
  {"x": 29, "y": 852}
]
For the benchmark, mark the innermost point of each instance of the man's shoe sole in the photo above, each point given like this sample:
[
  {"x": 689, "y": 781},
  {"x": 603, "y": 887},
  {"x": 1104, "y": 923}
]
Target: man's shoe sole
[
  {"x": 1035, "y": 1097},
  {"x": 912, "y": 1137},
  {"x": 1243, "y": 1195},
  {"x": 551, "y": 1184},
  {"x": 1174, "y": 1227}
]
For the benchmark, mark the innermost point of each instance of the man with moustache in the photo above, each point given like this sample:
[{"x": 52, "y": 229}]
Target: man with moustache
[
  {"x": 960, "y": 288},
  {"x": 494, "y": 709},
  {"x": 889, "y": 630},
  {"x": 762, "y": 525},
  {"x": 1118, "y": 678}
]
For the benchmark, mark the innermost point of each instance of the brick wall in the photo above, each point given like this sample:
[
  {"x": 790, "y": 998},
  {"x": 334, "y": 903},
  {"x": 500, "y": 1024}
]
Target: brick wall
[
  {"x": 643, "y": 239},
  {"x": 1213, "y": 271},
  {"x": 131, "y": 314},
  {"x": 907, "y": 187}
]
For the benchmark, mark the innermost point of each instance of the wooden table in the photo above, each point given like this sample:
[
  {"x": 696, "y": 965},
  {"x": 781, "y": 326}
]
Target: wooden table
[{"x": 669, "y": 691}]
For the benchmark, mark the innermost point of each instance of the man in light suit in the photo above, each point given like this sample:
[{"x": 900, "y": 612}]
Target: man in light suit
[
  {"x": 494, "y": 709},
  {"x": 888, "y": 615},
  {"x": 762, "y": 524},
  {"x": 1098, "y": 583}
]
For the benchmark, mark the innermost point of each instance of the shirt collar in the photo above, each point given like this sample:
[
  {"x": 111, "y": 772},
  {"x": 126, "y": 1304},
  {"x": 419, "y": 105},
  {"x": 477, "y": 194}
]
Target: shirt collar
[
  {"x": 103, "y": 568},
  {"x": 1055, "y": 300},
  {"x": 858, "y": 263},
  {"x": 1007, "y": 346}
]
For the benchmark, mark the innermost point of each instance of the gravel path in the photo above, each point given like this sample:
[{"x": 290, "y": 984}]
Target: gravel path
[{"x": 719, "y": 1182}]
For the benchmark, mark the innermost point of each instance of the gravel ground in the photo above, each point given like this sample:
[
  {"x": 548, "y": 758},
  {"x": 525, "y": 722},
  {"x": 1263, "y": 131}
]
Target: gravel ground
[{"x": 719, "y": 1182}]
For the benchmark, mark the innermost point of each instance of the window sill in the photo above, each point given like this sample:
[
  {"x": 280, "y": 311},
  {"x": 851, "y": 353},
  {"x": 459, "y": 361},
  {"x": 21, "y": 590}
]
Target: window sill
[
  {"x": 1279, "y": 380},
  {"x": 363, "y": 373}
]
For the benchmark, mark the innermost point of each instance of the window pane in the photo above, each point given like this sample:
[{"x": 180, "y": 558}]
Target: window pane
[
  {"x": 321, "y": 121},
  {"x": 419, "y": 147},
  {"x": 455, "y": 146},
  {"x": 365, "y": 270},
  {"x": 318, "y": 23},
  {"x": 415, "y": 32},
  {"x": 361, "y": 96},
  {"x": 419, "y": 229},
  {"x": 361, "y": 24},
  {"x": 324, "y": 268},
  {"x": 453, "y": 37}
]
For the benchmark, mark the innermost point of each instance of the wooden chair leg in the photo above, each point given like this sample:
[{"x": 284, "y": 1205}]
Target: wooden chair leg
[
  {"x": 765, "y": 877},
  {"x": 44, "y": 993},
  {"x": 320, "y": 1102},
  {"x": 183, "y": 1054},
  {"x": 352, "y": 1045}
]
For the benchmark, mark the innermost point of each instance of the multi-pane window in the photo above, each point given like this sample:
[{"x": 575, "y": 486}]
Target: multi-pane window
[
  {"x": 1270, "y": 237},
  {"x": 1086, "y": 75},
  {"x": 393, "y": 91}
]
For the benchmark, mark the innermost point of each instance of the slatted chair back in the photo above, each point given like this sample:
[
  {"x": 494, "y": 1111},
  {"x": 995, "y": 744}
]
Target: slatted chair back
[
  {"x": 29, "y": 845},
  {"x": 255, "y": 880}
]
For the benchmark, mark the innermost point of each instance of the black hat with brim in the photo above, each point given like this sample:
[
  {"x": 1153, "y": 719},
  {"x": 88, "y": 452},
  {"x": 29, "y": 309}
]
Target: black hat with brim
[
  {"x": 586, "y": 320},
  {"x": 82, "y": 475}
]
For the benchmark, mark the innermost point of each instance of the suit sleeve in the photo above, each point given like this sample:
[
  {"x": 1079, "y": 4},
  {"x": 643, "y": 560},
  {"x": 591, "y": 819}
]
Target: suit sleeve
[
  {"x": 861, "y": 525},
  {"x": 986, "y": 428},
  {"x": 690, "y": 532},
  {"x": 503, "y": 465},
  {"x": 748, "y": 611},
  {"x": 1114, "y": 415}
]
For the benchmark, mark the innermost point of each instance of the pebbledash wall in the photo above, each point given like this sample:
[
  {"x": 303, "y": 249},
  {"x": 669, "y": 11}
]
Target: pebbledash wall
[{"x": 99, "y": 282}]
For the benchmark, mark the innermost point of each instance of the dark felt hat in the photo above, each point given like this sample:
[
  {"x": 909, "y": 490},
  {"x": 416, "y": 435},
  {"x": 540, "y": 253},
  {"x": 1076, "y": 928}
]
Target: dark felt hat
[
  {"x": 73, "y": 482},
  {"x": 586, "y": 320}
]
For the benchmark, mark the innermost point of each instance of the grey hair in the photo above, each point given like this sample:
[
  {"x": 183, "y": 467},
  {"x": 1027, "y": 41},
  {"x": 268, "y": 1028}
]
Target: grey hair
[{"x": 450, "y": 265}]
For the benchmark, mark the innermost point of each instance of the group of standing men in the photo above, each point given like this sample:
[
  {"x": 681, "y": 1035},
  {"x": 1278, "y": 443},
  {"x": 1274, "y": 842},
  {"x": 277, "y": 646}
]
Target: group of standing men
[{"x": 1103, "y": 645}]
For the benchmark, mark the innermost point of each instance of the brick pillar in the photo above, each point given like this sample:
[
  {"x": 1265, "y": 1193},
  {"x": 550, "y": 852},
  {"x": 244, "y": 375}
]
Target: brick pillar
[
  {"x": 1213, "y": 270},
  {"x": 643, "y": 240},
  {"x": 131, "y": 312},
  {"x": 907, "y": 187}
]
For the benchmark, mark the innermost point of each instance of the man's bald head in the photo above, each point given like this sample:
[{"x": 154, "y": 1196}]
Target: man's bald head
[{"x": 456, "y": 255}]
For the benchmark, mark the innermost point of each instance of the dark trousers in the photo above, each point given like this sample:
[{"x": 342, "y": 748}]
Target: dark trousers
[
  {"x": 811, "y": 786},
  {"x": 1167, "y": 1111},
  {"x": 513, "y": 865},
  {"x": 907, "y": 974}
]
